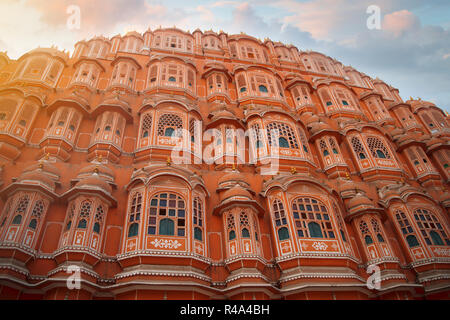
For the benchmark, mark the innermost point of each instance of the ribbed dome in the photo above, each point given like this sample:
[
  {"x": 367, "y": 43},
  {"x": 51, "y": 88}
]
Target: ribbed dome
[
  {"x": 223, "y": 114},
  {"x": 40, "y": 173},
  {"x": 38, "y": 176},
  {"x": 359, "y": 200},
  {"x": 318, "y": 126},
  {"x": 309, "y": 117},
  {"x": 43, "y": 166},
  {"x": 94, "y": 181},
  {"x": 97, "y": 168},
  {"x": 236, "y": 191},
  {"x": 231, "y": 177}
]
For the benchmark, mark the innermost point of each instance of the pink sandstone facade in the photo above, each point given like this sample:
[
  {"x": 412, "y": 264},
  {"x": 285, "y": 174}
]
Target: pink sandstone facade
[{"x": 88, "y": 179}]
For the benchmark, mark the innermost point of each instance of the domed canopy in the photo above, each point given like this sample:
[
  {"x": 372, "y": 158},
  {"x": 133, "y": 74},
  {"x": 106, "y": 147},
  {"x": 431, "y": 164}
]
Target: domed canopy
[
  {"x": 233, "y": 177},
  {"x": 309, "y": 117},
  {"x": 359, "y": 204},
  {"x": 237, "y": 196},
  {"x": 37, "y": 177},
  {"x": 45, "y": 167},
  {"x": 41, "y": 175},
  {"x": 359, "y": 200},
  {"x": 236, "y": 191},
  {"x": 94, "y": 181},
  {"x": 223, "y": 113},
  {"x": 99, "y": 169}
]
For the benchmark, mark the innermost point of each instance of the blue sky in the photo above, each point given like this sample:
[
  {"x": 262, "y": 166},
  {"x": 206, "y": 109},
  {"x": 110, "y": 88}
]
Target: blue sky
[{"x": 411, "y": 51}]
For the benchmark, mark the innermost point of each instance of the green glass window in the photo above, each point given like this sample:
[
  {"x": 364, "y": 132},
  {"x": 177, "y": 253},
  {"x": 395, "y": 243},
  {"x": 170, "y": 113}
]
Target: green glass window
[
  {"x": 198, "y": 234},
  {"x": 133, "y": 230},
  {"x": 314, "y": 230},
  {"x": 166, "y": 227},
  {"x": 283, "y": 234},
  {"x": 412, "y": 241},
  {"x": 33, "y": 224},
  {"x": 17, "y": 219},
  {"x": 283, "y": 142}
]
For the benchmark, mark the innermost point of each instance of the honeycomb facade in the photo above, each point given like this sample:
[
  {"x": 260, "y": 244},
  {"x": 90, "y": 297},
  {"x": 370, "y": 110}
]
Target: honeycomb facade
[{"x": 298, "y": 177}]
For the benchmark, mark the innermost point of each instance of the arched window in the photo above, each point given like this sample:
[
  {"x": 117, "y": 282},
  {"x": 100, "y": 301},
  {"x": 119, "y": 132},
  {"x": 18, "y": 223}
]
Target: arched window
[
  {"x": 153, "y": 75},
  {"x": 82, "y": 224},
  {"x": 169, "y": 132},
  {"x": 17, "y": 219},
  {"x": 437, "y": 240},
  {"x": 133, "y": 230},
  {"x": 263, "y": 88},
  {"x": 406, "y": 228},
  {"x": 166, "y": 227},
  {"x": 244, "y": 225},
  {"x": 134, "y": 215},
  {"x": 283, "y": 143},
  {"x": 231, "y": 227},
  {"x": 170, "y": 208},
  {"x": 284, "y": 131},
  {"x": 21, "y": 209},
  {"x": 96, "y": 228},
  {"x": 312, "y": 219},
  {"x": 198, "y": 219},
  {"x": 241, "y": 83},
  {"x": 365, "y": 232},
  {"x": 280, "y": 220},
  {"x": 192, "y": 128},
  {"x": 83, "y": 217},
  {"x": 430, "y": 227},
  {"x": 35, "y": 68},
  {"x": 377, "y": 230},
  {"x": 283, "y": 233},
  {"x": 314, "y": 230},
  {"x": 70, "y": 216},
  {"x": 146, "y": 125},
  {"x": 412, "y": 241},
  {"x": 99, "y": 213},
  {"x": 33, "y": 224},
  {"x": 169, "y": 121},
  {"x": 124, "y": 74},
  {"x": 368, "y": 239},
  {"x": 87, "y": 73},
  {"x": 377, "y": 148},
  {"x": 198, "y": 234},
  {"x": 340, "y": 221},
  {"x": 358, "y": 148}
]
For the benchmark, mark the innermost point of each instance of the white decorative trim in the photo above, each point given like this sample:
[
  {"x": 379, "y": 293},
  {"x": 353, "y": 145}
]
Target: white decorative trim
[
  {"x": 153, "y": 253},
  {"x": 164, "y": 274},
  {"x": 319, "y": 255},
  {"x": 321, "y": 276},
  {"x": 14, "y": 245},
  {"x": 246, "y": 275},
  {"x": 82, "y": 269}
]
